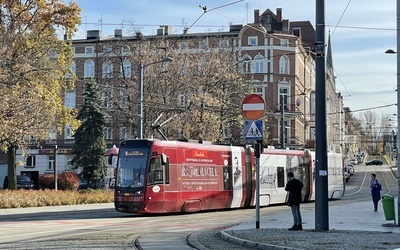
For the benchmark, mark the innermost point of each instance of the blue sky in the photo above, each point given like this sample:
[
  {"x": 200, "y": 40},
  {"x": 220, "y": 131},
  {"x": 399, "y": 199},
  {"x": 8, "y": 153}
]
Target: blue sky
[{"x": 362, "y": 30}]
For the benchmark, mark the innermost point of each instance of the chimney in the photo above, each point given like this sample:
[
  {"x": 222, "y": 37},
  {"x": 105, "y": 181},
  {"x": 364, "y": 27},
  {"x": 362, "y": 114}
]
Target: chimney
[
  {"x": 285, "y": 25},
  {"x": 256, "y": 16},
  {"x": 160, "y": 31},
  {"x": 168, "y": 30},
  {"x": 118, "y": 32},
  {"x": 279, "y": 15},
  {"x": 92, "y": 34}
]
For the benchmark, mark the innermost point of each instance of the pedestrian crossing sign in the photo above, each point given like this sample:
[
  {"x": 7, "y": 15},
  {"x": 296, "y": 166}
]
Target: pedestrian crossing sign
[{"x": 253, "y": 130}]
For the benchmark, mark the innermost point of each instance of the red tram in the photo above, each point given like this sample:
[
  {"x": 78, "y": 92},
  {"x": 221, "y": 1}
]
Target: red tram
[{"x": 154, "y": 176}]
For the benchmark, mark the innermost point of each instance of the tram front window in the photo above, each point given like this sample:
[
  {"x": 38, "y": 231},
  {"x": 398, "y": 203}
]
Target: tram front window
[{"x": 131, "y": 172}]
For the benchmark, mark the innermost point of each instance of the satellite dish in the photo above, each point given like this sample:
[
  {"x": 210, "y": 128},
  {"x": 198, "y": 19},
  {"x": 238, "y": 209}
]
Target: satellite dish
[{"x": 298, "y": 102}]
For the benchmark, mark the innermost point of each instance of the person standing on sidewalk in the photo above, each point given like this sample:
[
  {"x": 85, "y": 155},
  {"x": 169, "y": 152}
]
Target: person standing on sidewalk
[
  {"x": 293, "y": 187},
  {"x": 376, "y": 188}
]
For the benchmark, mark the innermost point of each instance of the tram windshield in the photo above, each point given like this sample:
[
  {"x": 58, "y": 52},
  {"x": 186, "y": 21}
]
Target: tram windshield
[{"x": 131, "y": 169}]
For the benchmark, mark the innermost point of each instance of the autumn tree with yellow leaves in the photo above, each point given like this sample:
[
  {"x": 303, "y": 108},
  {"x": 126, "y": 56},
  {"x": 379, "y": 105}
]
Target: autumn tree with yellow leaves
[{"x": 32, "y": 73}]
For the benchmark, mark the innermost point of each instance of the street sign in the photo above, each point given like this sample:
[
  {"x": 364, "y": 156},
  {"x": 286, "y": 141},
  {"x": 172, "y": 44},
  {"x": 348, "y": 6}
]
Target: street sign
[
  {"x": 253, "y": 130},
  {"x": 253, "y": 107}
]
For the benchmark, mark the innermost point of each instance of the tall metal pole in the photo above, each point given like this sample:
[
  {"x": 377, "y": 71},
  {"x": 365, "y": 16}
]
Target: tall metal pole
[
  {"x": 55, "y": 167},
  {"x": 282, "y": 123},
  {"x": 398, "y": 107},
  {"x": 140, "y": 103},
  {"x": 258, "y": 149},
  {"x": 321, "y": 169}
]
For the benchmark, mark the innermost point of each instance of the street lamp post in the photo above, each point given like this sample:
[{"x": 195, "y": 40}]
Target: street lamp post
[
  {"x": 140, "y": 94},
  {"x": 390, "y": 51}
]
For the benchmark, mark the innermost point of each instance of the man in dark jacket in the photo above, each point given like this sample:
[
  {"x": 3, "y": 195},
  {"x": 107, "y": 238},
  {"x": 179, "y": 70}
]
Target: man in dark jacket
[{"x": 294, "y": 187}]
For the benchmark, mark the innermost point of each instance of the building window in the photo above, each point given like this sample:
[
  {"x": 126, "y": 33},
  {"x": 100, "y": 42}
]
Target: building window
[
  {"x": 107, "y": 98},
  {"x": 31, "y": 161},
  {"x": 107, "y": 70},
  {"x": 284, "y": 65},
  {"x": 224, "y": 44},
  {"x": 123, "y": 133},
  {"x": 69, "y": 133},
  {"x": 252, "y": 40},
  {"x": 126, "y": 69},
  {"x": 245, "y": 64},
  {"x": 72, "y": 71},
  {"x": 258, "y": 89},
  {"x": 258, "y": 64},
  {"x": 284, "y": 42},
  {"x": 283, "y": 94},
  {"x": 89, "y": 50},
  {"x": 107, "y": 133},
  {"x": 50, "y": 165},
  {"x": 183, "y": 101},
  {"x": 124, "y": 49},
  {"x": 124, "y": 99},
  {"x": 107, "y": 48},
  {"x": 183, "y": 46},
  {"x": 203, "y": 45},
  {"x": 89, "y": 69},
  {"x": 70, "y": 99}
]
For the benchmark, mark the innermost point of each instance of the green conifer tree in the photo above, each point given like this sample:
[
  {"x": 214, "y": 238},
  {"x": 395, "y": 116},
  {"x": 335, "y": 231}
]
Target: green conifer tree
[{"x": 90, "y": 145}]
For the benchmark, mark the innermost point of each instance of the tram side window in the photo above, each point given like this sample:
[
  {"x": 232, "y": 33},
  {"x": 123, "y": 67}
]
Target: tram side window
[
  {"x": 227, "y": 178},
  {"x": 156, "y": 172},
  {"x": 280, "y": 172}
]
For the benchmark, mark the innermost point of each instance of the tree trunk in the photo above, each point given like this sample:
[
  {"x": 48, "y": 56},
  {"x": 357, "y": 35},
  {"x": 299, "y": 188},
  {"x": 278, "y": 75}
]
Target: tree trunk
[{"x": 12, "y": 177}]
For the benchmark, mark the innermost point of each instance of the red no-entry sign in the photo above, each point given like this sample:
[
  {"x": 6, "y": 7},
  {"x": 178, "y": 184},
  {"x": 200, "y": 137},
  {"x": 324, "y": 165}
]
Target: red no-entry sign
[{"x": 253, "y": 107}]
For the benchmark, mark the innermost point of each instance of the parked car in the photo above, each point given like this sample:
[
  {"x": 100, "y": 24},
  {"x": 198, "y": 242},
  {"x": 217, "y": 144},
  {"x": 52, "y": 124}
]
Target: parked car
[
  {"x": 350, "y": 169},
  {"x": 374, "y": 162},
  {"x": 23, "y": 181},
  {"x": 346, "y": 174},
  {"x": 95, "y": 184},
  {"x": 354, "y": 161}
]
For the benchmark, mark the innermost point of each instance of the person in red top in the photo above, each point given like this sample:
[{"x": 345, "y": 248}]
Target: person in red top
[{"x": 293, "y": 187}]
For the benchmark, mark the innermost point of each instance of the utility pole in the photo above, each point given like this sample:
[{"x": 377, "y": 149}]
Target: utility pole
[
  {"x": 321, "y": 169},
  {"x": 282, "y": 122},
  {"x": 140, "y": 102},
  {"x": 398, "y": 107},
  {"x": 55, "y": 167}
]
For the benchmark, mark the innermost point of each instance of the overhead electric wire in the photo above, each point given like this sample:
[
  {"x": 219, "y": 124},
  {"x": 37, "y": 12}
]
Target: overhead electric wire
[{"x": 340, "y": 19}]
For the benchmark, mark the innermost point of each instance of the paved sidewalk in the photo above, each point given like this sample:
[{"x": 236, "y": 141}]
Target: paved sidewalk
[{"x": 351, "y": 226}]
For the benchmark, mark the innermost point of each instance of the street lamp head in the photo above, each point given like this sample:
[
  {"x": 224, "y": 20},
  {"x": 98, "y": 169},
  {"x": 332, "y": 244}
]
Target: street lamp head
[
  {"x": 168, "y": 59},
  {"x": 390, "y": 51}
]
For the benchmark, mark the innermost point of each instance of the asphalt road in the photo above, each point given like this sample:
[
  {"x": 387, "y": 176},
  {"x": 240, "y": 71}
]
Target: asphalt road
[{"x": 104, "y": 228}]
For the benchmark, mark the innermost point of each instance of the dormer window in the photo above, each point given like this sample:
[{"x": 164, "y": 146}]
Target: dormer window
[
  {"x": 89, "y": 50},
  {"x": 252, "y": 41}
]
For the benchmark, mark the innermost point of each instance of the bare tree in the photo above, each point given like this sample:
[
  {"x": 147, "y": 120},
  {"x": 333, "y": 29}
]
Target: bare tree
[
  {"x": 374, "y": 126},
  {"x": 201, "y": 89}
]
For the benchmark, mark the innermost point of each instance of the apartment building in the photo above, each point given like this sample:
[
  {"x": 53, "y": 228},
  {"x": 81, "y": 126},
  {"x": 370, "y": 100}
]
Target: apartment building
[{"x": 275, "y": 58}]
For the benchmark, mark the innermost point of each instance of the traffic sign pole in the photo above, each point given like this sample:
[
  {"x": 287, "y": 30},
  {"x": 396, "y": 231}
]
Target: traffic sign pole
[{"x": 253, "y": 108}]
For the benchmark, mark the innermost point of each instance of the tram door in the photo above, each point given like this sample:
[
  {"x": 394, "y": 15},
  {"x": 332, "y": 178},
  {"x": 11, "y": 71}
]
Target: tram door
[{"x": 156, "y": 178}]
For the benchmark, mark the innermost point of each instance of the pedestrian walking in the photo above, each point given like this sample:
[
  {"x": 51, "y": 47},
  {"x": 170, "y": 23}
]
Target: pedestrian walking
[
  {"x": 293, "y": 187},
  {"x": 376, "y": 188}
]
